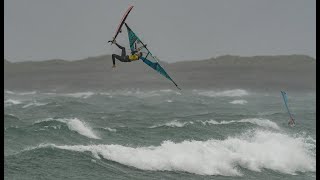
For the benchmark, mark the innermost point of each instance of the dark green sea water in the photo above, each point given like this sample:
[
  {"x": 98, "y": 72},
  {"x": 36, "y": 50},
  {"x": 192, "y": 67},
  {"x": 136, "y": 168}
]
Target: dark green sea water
[{"x": 161, "y": 134}]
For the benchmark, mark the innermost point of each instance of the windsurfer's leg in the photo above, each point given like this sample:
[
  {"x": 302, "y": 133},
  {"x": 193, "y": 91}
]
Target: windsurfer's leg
[
  {"x": 114, "y": 59},
  {"x": 120, "y": 58}
]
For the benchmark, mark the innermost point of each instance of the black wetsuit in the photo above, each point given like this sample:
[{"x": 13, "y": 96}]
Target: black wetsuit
[{"x": 123, "y": 57}]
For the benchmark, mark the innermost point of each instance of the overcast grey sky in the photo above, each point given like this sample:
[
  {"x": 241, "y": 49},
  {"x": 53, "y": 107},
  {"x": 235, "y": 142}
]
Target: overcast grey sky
[{"x": 173, "y": 29}]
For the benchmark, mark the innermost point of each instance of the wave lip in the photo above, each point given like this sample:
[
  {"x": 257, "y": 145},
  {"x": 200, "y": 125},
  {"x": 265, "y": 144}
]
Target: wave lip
[
  {"x": 253, "y": 150},
  {"x": 240, "y": 101},
  {"x": 227, "y": 93},
  {"x": 74, "y": 124}
]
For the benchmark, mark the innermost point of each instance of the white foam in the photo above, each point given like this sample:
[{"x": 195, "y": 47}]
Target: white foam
[
  {"x": 80, "y": 94},
  {"x": 21, "y": 93},
  {"x": 27, "y": 93},
  {"x": 267, "y": 113},
  {"x": 140, "y": 94},
  {"x": 9, "y": 92},
  {"x": 82, "y": 128},
  {"x": 240, "y": 101},
  {"x": 74, "y": 124},
  {"x": 169, "y": 91},
  {"x": 50, "y": 93},
  {"x": 254, "y": 150},
  {"x": 261, "y": 122},
  {"x": 257, "y": 121},
  {"x": 110, "y": 129},
  {"x": 104, "y": 93},
  {"x": 137, "y": 93},
  {"x": 129, "y": 92},
  {"x": 12, "y": 101},
  {"x": 169, "y": 100},
  {"x": 174, "y": 123},
  {"x": 34, "y": 104},
  {"x": 166, "y": 90},
  {"x": 227, "y": 93}
]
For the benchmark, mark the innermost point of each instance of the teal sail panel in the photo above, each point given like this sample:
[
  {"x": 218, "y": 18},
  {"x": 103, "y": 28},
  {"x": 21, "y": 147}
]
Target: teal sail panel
[{"x": 147, "y": 58}]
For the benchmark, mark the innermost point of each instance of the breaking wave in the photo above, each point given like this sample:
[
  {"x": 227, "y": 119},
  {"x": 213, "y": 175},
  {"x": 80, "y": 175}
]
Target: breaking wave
[
  {"x": 74, "y": 124},
  {"x": 253, "y": 150}
]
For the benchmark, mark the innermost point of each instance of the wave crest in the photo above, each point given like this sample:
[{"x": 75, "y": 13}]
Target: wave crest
[
  {"x": 240, "y": 101},
  {"x": 74, "y": 124},
  {"x": 253, "y": 150},
  {"x": 12, "y": 102},
  {"x": 257, "y": 121},
  {"x": 227, "y": 93}
]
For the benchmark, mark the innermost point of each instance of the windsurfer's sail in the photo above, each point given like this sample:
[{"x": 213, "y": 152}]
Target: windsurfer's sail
[
  {"x": 121, "y": 23},
  {"x": 147, "y": 57},
  {"x": 285, "y": 99}
]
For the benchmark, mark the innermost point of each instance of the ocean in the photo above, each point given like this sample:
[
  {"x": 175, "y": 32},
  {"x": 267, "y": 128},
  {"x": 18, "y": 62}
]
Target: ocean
[{"x": 159, "y": 134}]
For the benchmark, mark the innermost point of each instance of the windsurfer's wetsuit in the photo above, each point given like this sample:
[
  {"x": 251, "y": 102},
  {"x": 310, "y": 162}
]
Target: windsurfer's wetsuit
[{"x": 124, "y": 57}]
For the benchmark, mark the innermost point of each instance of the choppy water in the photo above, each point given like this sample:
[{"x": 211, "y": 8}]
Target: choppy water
[{"x": 163, "y": 134}]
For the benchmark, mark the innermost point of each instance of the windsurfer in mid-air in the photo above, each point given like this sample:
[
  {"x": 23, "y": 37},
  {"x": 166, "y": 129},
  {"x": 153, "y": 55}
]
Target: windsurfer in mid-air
[{"x": 135, "y": 55}]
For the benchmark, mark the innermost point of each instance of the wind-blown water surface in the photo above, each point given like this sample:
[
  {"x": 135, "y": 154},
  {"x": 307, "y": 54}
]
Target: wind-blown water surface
[{"x": 160, "y": 134}]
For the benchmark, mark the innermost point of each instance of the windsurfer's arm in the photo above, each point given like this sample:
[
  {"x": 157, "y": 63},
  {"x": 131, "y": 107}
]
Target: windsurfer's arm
[
  {"x": 138, "y": 49},
  {"x": 118, "y": 45}
]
